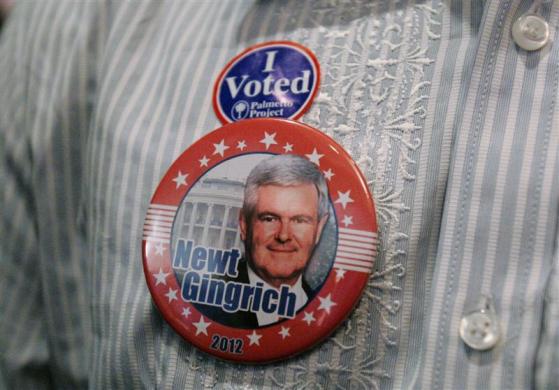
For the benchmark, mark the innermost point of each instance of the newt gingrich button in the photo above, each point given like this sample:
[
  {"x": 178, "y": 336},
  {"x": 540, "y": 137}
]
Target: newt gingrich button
[{"x": 259, "y": 240}]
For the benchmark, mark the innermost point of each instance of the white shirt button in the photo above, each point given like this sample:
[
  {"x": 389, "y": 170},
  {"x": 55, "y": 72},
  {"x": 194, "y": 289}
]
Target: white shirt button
[
  {"x": 530, "y": 32},
  {"x": 479, "y": 330}
]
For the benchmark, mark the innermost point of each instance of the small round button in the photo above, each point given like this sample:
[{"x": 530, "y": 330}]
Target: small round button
[
  {"x": 530, "y": 32},
  {"x": 479, "y": 330}
]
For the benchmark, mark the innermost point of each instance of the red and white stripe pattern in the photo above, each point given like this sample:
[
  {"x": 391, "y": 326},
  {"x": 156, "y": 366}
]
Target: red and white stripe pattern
[
  {"x": 357, "y": 250},
  {"x": 159, "y": 223}
]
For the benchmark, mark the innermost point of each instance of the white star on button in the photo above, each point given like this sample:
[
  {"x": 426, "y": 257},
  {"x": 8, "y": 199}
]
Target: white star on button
[
  {"x": 220, "y": 148},
  {"x": 180, "y": 179},
  {"x": 326, "y": 303},
  {"x": 171, "y": 295},
  {"x": 287, "y": 147},
  {"x": 314, "y": 157},
  {"x": 479, "y": 330},
  {"x": 186, "y": 312},
  {"x": 161, "y": 278},
  {"x": 159, "y": 249},
  {"x": 284, "y": 332},
  {"x": 309, "y": 317},
  {"x": 530, "y": 32},
  {"x": 254, "y": 338},
  {"x": 204, "y": 161},
  {"x": 201, "y": 326},
  {"x": 344, "y": 198},
  {"x": 348, "y": 220},
  {"x": 241, "y": 145},
  {"x": 329, "y": 174},
  {"x": 269, "y": 139},
  {"x": 340, "y": 273}
]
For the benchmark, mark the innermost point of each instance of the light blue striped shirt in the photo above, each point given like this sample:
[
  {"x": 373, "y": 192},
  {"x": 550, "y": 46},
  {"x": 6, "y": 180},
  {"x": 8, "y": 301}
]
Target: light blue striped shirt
[{"x": 455, "y": 128}]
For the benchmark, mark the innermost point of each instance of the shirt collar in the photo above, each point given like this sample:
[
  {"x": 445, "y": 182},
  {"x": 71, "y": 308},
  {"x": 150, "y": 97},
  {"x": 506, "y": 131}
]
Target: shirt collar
[{"x": 297, "y": 289}]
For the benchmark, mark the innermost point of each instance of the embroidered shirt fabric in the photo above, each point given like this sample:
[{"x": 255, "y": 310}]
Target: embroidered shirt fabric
[{"x": 454, "y": 127}]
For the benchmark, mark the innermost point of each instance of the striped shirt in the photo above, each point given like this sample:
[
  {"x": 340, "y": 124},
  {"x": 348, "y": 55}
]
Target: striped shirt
[{"x": 455, "y": 128}]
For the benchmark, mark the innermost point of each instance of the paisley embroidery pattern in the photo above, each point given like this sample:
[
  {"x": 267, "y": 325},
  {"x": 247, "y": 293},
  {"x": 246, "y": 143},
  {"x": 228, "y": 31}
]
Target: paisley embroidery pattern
[{"x": 373, "y": 101}]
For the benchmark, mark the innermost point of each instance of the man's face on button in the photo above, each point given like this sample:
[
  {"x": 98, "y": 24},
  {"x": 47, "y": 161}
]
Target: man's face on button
[{"x": 283, "y": 231}]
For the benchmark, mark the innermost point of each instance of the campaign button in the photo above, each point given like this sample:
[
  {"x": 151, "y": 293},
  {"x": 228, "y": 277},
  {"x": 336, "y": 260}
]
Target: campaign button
[
  {"x": 259, "y": 240},
  {"x": 270, "y": 80}
]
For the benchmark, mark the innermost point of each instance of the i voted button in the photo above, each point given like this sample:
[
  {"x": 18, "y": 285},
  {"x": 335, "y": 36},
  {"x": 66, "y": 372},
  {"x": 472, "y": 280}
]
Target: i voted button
[
  {"x": 259, "y": 240},
  {"x": 270, "y": 80}
]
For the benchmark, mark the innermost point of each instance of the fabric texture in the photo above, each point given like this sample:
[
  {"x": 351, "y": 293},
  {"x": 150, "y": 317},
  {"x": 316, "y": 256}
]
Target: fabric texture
[{"x": 454, "y": 127}]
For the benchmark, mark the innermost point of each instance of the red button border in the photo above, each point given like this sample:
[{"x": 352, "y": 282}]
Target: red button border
[{"x": 356, "y": 223}]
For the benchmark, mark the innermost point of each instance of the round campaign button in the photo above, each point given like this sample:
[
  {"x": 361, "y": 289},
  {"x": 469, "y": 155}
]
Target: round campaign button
[
  {"x": 259, "y": 240},
  {"x": 270, "y": 80}
]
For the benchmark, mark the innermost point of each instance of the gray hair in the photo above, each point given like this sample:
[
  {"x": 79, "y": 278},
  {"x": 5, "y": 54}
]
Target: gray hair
[{"x": 285, "y": 170}]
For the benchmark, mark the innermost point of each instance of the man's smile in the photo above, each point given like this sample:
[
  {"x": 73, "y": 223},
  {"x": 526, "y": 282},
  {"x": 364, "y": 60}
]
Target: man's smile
[{"x": 281, "y": 248}]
